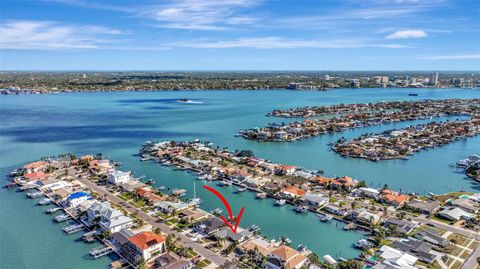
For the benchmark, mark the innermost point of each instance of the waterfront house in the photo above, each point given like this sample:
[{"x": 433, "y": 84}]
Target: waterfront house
[
  {"x": 108, "y": 218},
  {"x": 321, "y": 180},
  {"x": 193, "y": 215},
  {"x": 113, "y": 220},
  {"x": 208, "y": 227},
  {"x": 335, "y": 209},
  {"x": 118, "y": 177},
  {"x": 121, "y": 238},
  {"x": 168, "y": 207},
  {"x": 455, "y": 213},
  {"x": 35, "y": 166},
  {"x": 417, "y": 248},
  {"x": 76, "y": 198},
  {"x": 466, "y": 205},
  {"x": 393, "y": 198},
  {"x": 35, "y": 176},
  {"x": 346, "y": 183},
  {"x": 61, "y": 193},
  {"x": 132, "y": 185},
  {"x": 100, "y": 167},
  {"x": 285, "y": 257},
  {"x": 315, "y": 199},
  {"x": 272, "y": 187},
  {"x": 285, "y": 170},
  {"x": 424, "y": 207},
  {"x": 292, "y": 192},
  {"x": 142, "y": 247},
  {"x": 240, "y": 236},
  {"x": 366, "y": 192},
  {"x": 280, "y": 135},
  {"x": 56, "y": 185},
  {"x": 403, "y": 227},
  {"x": 365, "y": 217},
  {"x": 394, "y": 258},
  {"x": 262, "y": 245}
]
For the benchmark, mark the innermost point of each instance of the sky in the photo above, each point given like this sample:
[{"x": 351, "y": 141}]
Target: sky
[{"x": 240, "y": 35}]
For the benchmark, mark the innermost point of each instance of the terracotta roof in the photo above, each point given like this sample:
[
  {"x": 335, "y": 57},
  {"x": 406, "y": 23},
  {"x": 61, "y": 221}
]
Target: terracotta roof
[
  {"x": 143, "y": 191},
  {"x": 294, "y": 190},
  {"x": 295, "y": 261},
  {"x": 145, "y": 240},
  {"x": 36, "y": 175},
  {"x": 287, "y": 167},
  {"x": 321, "y": 179},
  {"x": 285, "y": 252},
  {"x": 35, "y": 165}
]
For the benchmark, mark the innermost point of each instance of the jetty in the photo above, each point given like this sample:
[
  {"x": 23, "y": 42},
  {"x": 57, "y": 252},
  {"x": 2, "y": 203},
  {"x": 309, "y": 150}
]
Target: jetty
[
  {"x": 34, "y": 195},
  {"x": 62, "y": 218},
  {"x": 101, "y": 251},
  {"x": 73, "y": 228},
  {"x": 53, "y": 210}
]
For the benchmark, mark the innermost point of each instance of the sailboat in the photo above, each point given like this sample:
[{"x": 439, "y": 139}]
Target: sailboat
[{"x": 195, "y": 200}]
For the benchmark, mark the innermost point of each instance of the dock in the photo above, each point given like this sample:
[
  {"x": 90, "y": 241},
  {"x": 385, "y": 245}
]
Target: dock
[
  {"x": 73, "y": 228},
  {"x": 100, "y": 251},
  {"x": 53, "y": 210},
  {"x": 45, "y": 201},
  {"x": 35, "y": 194},
  {"x": 62, "y": 218}
]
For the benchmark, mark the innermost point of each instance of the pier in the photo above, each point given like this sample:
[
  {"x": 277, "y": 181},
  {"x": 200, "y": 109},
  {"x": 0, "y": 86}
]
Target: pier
[
  {"x": 34, "y": 195},
  {"x": 73, "y": 228},
  {"x": 62, "y": 218},
  {"x": 53, "y": 210},
  {"x": 100, "y": 251}
]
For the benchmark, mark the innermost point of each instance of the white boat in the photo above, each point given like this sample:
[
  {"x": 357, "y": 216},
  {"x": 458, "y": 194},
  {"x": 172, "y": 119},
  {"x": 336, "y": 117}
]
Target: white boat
[
  {"x": 324, "y": 217},
  {"x": 261, "y": 195},
  {"x": 241, "y": 189},
  {"x": 300, "y": 209},
  {"x": 280, "y": 202},
  {"x": 45, "y": 201},
  {"x": 362, "y": 244},
  {"x": 216, "y": 211}
]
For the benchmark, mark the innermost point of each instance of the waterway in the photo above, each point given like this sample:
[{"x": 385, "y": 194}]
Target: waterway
[{"x": 117, "y": 124}]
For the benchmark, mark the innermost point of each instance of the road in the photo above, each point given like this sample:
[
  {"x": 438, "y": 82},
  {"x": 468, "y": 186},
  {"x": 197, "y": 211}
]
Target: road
[
  {"x": 471, "y": 262},
  {"x": 187, "y": 242}
]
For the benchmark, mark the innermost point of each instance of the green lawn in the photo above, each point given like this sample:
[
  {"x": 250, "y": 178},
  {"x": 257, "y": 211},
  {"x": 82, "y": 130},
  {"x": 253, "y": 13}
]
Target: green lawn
[{"x": 203, "y": 263}]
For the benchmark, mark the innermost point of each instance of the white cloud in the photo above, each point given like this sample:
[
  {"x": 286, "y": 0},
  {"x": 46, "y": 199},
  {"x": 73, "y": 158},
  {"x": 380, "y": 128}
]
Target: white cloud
[
  {"x": 282, "y": 43},
  {"x": 407, "y": 34},
  {"x": 452, "y": 57},
  {"x": 51, "y": 35},
  {"x": 203, "y": 15}
]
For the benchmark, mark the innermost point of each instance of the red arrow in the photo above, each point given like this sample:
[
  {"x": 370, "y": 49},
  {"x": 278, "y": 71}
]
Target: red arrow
[{"x": 229, "y": 209}]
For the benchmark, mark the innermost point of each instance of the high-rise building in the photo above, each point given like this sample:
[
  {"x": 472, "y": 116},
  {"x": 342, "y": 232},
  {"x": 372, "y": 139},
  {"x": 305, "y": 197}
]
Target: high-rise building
[{"x": 433, "y": 78}]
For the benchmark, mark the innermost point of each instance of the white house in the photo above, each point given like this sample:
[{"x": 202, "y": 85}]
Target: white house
[
  {"x": 395, "y": 258},
  {"x": 118, "y": 177},
  {"x": 76, "y": 198},
  {"x": 315, "y": 199},
  {"x": 113, "y": 220},
  {"x": 455, "y": 213},
  {"x": 108, "y": 218},
  {"x": 143, "y": 247}
]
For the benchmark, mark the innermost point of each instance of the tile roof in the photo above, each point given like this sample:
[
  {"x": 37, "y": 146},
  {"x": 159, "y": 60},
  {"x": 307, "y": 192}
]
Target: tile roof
[
  {"x": 285, "y": 252},
  {"x": 145, "y": 240}
]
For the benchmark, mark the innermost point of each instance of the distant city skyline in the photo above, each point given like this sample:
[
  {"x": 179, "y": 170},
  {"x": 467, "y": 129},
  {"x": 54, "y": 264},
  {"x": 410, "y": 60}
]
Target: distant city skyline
[{"x": 350, "y": 35}]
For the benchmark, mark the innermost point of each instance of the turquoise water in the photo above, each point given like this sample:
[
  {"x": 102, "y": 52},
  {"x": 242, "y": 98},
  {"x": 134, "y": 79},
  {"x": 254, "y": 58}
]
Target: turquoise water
[{"x": 117, "y": 124}]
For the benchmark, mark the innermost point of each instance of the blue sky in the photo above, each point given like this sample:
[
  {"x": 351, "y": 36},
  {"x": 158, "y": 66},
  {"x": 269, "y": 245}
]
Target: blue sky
[{"x": 240, "y": 35}]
